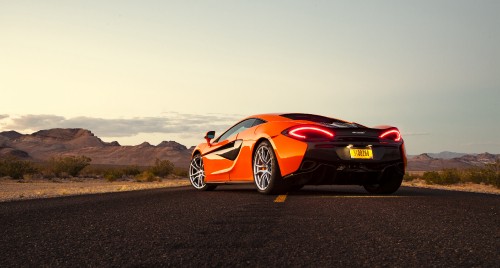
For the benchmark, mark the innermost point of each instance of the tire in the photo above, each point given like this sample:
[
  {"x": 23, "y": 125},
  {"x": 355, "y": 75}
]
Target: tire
[
  {"x": 389, "y": 183},
  {"x": 197, "y": 174},
  {"x": 266, "y": 172}
]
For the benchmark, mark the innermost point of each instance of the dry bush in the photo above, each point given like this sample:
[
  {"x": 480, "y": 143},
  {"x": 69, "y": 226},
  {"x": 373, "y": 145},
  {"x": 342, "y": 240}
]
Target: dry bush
[
  {"x": 445, "y": 177},
  {"x": 409, "y": 177},
  {"x": 181, "y": 172},
  {"x": 131, "y": 171},
  {"x": 162, "y": 168},
  {"x": 68, "y": 165},
  {"x": 490, "y": 174},
  {"x": 449, "y": 176},
  {"x": 431, "y": 177},
  {"x": 16, "y": 168},
  {"x": 98, "y": 171},
  {"x": 113, "y": 174},
  {"x": 147, "y": 176}
]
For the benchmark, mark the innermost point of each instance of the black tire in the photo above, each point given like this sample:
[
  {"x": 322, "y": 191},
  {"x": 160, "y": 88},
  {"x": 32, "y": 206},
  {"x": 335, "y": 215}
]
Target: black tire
[
  {"x": 273, "y": 182},
  {"x": 198, "y": 180},
  {"x": 389, "y": 183}
]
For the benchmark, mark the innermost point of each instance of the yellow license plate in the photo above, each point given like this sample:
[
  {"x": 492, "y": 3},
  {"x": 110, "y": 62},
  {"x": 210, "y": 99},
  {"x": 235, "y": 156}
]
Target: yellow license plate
[{"x": 361, "y": 153}]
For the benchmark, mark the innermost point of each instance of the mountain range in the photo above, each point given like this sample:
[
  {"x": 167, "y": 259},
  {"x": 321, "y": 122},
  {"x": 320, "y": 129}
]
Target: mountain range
[
  {"x": 426, "y": 162},
  {"x": 44, "y": 144}
]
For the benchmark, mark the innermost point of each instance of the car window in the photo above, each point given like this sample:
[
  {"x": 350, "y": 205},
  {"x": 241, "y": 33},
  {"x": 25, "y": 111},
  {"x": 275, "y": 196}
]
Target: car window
[
  {"x": 245, "y": 124},
  {"x": 313, "y": 118},
  {"x": 258, "y": 122},
  {"x": 322, "y": 120}
]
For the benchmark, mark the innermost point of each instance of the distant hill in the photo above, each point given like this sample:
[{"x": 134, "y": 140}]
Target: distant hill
[
  {"x": 11, "y": 134},
  {"x": 446, "y": 155},
  {"x": 44, "y": 144},
  {"x": 443, "y": 155},
  {"x": 425, "y": 162}
]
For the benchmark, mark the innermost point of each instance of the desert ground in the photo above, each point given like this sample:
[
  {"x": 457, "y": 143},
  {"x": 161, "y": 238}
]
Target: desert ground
[
  {"x": 463, "y": 187},
  {"x": 42, "y": 188}
]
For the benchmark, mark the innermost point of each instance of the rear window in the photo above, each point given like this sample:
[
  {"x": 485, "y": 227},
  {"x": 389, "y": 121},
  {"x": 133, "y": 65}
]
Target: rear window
[{"x": 321, "y": 119}]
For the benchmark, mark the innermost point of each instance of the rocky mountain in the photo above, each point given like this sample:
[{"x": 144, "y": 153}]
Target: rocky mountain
[
  {"x": 446, "y": 155},
  {"x": 11, "y": 134},
  {"x": 44, "y": 144},
  {"x": 425, "y": 162}
]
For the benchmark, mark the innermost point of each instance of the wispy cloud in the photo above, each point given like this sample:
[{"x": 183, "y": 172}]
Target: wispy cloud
[
  {"x": 126, "y": 127},
  {"x": 3, "y": 116}
]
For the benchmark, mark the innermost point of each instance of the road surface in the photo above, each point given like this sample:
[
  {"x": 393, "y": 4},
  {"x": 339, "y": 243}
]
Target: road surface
[{"x": 327, "y": 226}]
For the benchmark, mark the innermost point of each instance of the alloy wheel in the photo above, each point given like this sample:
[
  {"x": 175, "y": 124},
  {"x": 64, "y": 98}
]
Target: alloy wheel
[
  {"x": 262, "y": 167},
  {"x": 197, "y": 172}
]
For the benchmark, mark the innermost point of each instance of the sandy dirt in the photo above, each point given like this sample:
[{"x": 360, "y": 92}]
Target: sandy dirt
[
  {"x": 32, "y": 189},
  {"x": 464, "y": 187}
]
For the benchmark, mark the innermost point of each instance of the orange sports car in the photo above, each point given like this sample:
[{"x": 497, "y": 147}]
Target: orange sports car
[{"x": 284, "y": 152}]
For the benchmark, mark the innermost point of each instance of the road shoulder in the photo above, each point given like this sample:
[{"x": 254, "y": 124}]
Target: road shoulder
[
  {"x": 462, "y": 187},
  {"x": 34, "y": 189}
]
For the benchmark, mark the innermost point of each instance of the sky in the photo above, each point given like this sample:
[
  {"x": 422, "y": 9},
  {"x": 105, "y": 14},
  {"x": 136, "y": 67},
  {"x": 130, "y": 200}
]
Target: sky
[{"x": 136, "y": 71}]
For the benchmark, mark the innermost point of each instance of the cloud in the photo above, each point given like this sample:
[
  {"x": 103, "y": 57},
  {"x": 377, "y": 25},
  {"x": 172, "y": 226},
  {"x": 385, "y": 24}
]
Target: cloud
[
  {"x": 3, "y": 116},
  {"x": 126, "y": 127}
]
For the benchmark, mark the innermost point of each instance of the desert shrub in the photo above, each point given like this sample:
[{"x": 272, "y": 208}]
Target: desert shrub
[
  {"x": 16, "y": 168},
  {"x": 493, "y": 174},
  {"x": 407, "y": 177},
  {"x": 109, "y": 172},
  {"x": 147, "y": 176},
  {"x": 495, "y": 181},
  {"x": 490, "y": 174},
  {"x": 91, "y": 171},
  {"x": 473, "y": 175},
  {"x": 162, "y": 168},
  {"x": 46, "y": 172},
  {"x": 131, "y": 171},
  {"x": 113, "y": 174},
  {"x": 68, "y": 165},
  {"x": 431, "y": 177},
  {"x": 449, "y": 176},
  {"x": 181, "y": 172}
]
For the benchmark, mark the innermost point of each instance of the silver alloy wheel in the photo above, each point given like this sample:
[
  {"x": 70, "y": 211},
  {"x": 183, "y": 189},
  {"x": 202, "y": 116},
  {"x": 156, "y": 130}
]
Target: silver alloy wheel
[
  {"x": 262, "y": 167},
  {"x": 197, "y": 172}
]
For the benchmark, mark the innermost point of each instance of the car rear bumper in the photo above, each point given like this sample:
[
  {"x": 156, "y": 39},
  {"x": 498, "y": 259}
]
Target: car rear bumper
[{"x": 332, "y": 164}]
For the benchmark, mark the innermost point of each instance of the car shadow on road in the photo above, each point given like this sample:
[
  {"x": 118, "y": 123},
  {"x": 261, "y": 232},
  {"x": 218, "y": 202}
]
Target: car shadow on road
[
  {"x": 353, "y": 191},
  {"x": 331, "y": 190},
  {"x": 345, "y": 190}
]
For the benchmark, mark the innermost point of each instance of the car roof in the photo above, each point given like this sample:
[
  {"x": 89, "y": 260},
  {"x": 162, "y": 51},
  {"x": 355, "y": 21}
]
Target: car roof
[{"x": 280, "y": 117}]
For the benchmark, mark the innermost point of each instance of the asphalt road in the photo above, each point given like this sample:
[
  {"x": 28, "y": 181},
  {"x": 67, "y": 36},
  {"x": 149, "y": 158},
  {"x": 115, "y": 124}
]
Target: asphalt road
[{"x": 326, "y": 226}]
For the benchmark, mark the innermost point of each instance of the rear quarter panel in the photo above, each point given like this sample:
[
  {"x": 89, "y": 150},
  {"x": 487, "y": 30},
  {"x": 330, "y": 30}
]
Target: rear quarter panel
[{"x": 289, "y": 152}]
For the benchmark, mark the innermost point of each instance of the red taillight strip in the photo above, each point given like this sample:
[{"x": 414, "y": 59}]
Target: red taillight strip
[
  {"x": 398, "y": 135},
  {"x": 293, "y": 132}
]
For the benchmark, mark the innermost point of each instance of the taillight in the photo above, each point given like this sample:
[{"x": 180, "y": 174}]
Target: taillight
[
  {"x": 309, "y": 133},
  {"x": 392, "y": 134}
]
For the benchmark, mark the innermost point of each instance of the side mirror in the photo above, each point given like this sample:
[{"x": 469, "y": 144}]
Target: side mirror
[{"x": 209, "y": 136}]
